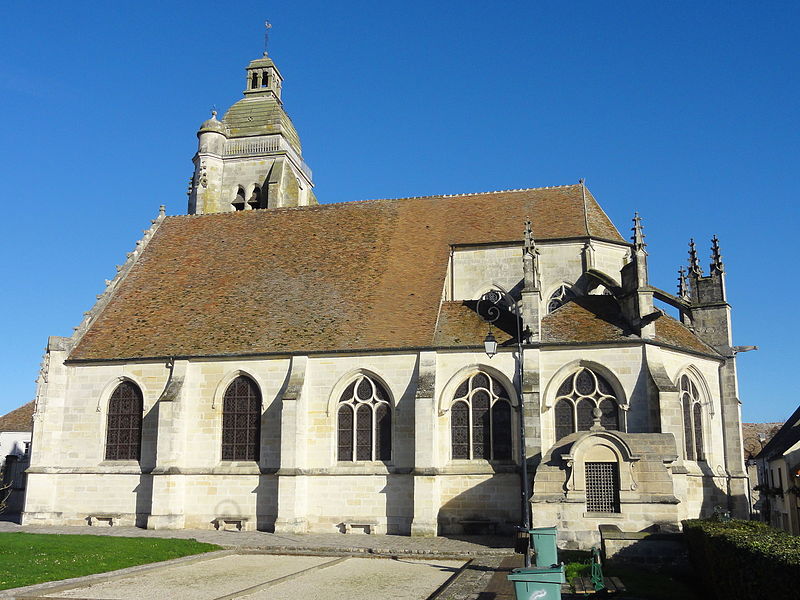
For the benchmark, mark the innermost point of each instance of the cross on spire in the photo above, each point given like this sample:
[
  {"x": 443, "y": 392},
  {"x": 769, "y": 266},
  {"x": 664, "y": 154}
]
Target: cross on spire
[
  {"x": 694, "y": 263},
  {"x": 716, "y": 257},
  {"x": 267, "y": 27}
]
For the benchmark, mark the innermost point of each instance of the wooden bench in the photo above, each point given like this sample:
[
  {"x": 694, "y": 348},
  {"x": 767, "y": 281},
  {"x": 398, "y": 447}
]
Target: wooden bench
[
  {"x": 102, "y": 519},
  {"x": 231, "y": 523},
  {"x": 368, "y": 526},
  {"x": 583, "y": 585},
  {"x": 478, "y": 526}
]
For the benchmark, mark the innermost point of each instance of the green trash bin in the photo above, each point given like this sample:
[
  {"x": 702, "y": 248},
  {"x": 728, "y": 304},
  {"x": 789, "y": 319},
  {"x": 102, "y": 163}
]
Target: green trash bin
[
  {"x": 543, "y": 540},
  {"x": 538, "y": 583}
]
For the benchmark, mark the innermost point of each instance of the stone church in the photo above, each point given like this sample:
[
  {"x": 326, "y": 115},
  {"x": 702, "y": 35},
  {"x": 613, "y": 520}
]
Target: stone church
[{"x": 267, "y": 362}]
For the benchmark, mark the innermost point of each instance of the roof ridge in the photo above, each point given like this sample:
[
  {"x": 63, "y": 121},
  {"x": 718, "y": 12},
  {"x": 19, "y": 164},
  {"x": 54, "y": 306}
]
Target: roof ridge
[
  {"x": 367, "y": 200},
  {"x": 111, "y": 285}
]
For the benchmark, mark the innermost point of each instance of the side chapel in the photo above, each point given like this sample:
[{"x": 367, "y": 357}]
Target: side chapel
[{"x": 271, "y": 363}]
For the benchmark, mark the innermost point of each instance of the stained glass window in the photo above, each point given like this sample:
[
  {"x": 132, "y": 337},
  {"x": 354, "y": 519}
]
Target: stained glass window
[
  {"x": 692, "y": 419},
  {"x": 480, "y": 420},
  {"x": 578, "y": 396},
  {"x": 368, "y": 436},
  {"x": 241, "y": 420},
  {"x": 124, "y": 428}
]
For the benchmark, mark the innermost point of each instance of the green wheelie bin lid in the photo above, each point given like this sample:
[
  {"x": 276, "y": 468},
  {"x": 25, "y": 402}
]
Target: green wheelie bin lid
[{"x": 540, "y": 583}]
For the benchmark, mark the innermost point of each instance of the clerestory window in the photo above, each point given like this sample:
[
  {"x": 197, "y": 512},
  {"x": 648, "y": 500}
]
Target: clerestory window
[
  {"x": 364, "y": 422},
  {"x": 576, "y": 399},
  {"x": 480, "y": 420},
  {"x": 124, "y": 426}
]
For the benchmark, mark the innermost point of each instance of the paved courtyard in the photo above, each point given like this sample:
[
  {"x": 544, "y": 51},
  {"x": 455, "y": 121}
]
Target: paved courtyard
[
  {"x": 265, "y": 576},
  {"x": 308, "y": 566}
]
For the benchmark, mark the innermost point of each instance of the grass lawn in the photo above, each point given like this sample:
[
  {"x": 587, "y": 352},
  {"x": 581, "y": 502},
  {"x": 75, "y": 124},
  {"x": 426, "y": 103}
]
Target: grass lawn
[
  {"x": 29, "y": 558},
  {"x": 638, "y": 582}
]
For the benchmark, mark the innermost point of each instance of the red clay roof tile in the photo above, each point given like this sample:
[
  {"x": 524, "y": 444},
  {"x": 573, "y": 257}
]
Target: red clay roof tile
[{"x": 350, "y": 276}]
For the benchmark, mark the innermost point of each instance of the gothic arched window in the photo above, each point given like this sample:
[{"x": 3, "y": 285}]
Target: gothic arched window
[
  {"x": 576, "y": 399},
  {"x": 559, "y": 298},
  {"x": 480, "y": 420},
  {"x": 692, "y": 419},
  {"x": 364, "y": 422},
  {"x": 241, "y": 420},
  {"x": 124, "y": 427}
]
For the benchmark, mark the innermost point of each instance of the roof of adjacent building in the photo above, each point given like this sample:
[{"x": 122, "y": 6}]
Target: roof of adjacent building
[
  {"x": 20, "y": 419},
  {"x": 751, "y": 442},
  {"x": 786, "y": 437},
  {"x": 339, "y": 277}
]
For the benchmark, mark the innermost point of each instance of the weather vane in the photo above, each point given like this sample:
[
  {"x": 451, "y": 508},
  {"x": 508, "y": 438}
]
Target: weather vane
[{"x": 267, "y": 27}]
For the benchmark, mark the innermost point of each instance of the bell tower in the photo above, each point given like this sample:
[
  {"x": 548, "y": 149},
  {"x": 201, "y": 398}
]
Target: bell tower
[{"x": 252, "y": 157}]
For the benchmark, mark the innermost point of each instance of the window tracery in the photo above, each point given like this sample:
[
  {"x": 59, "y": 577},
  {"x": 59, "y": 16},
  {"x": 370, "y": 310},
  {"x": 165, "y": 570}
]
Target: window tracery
[
  {"x": 559, "y": 298},
  {"x": 480, "y": 420},
  {"x": 364, "y": 422},
  {"x": 124, "y": 425},
  {"x": 692, "y": 419},
  {"x": 578, "y": 396},
  {"x": 241, "y": 420}
]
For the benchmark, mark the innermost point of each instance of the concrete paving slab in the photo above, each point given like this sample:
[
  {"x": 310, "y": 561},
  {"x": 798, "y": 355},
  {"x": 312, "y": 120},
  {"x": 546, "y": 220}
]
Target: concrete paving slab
[
  {"x": 205, "y": 580},
  {"x": 366, "y": 579}
]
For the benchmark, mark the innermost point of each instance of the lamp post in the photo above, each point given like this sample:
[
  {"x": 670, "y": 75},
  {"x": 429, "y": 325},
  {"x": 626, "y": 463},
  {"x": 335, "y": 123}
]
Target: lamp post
[{"x": 490, "y": 308}]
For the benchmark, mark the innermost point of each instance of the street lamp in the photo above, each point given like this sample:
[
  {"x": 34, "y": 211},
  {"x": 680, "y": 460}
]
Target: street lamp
[
  {"x": 490, "y": 344},
  {"x": 490, "y": 307}
]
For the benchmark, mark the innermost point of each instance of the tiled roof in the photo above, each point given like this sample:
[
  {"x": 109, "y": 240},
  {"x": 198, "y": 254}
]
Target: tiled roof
[
  {"x": 357, "y": 275},
  {"x": 750, "y": 437},
  {"x": 20, "y": 419},
  {"x": 260, "y": 115},
  {"x": 786, "y": 437},
  {"x": 586, "y": 319}
]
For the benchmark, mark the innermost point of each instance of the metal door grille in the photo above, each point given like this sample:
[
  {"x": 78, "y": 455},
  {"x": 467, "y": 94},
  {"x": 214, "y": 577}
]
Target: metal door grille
[{"x": 602, "y": 487}]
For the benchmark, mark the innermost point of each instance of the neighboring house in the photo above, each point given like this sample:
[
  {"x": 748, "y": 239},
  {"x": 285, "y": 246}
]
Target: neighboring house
[
  {"x": 779, "y": 477},
  {"x": 754, "y": 437},
  {"x": 289, "y": 366},
  {"x": 15, "y": 440}
]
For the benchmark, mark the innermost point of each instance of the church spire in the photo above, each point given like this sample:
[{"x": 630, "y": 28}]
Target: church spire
[
  {"x": 694, "y": 263},
  {"x": 683, "y": 289},
  {"x": 638, "y": 234},
  {"x": 717, "y": 265}
]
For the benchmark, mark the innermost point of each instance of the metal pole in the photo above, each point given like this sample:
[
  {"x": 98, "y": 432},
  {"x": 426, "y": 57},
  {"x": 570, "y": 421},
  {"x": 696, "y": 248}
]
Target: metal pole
[
  {"x": 526, "y": 519},
  {"x": 523, "y": 457}
]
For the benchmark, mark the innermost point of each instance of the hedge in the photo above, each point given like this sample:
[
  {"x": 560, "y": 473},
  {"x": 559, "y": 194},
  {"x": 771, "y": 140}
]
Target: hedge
[{"x": 744, "y": 559}]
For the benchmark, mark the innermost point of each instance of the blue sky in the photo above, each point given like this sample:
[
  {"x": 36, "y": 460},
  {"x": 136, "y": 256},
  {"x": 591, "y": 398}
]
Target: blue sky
[{"x": 686, "y": 112}]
